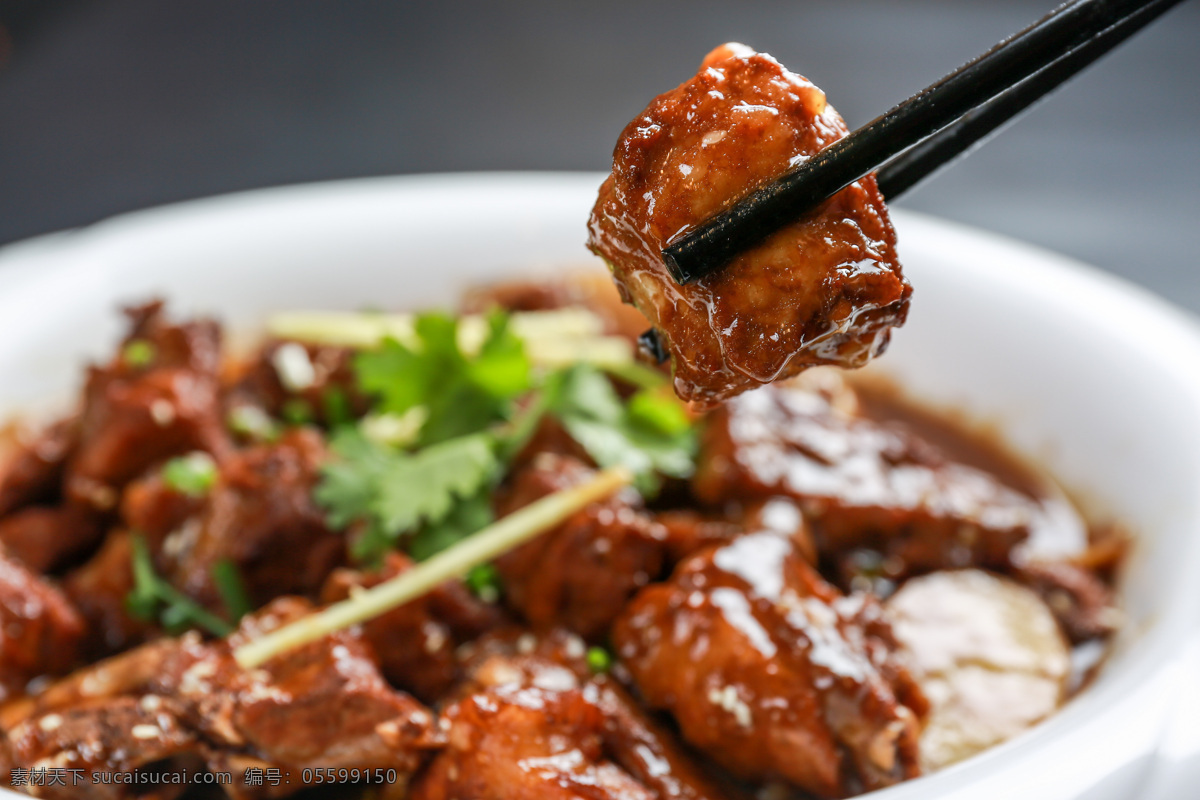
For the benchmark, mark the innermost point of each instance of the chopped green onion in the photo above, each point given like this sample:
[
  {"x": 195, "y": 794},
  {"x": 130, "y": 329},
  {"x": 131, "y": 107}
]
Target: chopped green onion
[
  {"x": 139, "y": 353},
  {"x": 297, "y": 411},
  {"x": 253, "y": 423},
  {"x": 193, "y": 474},
  {"x": 599, "y": 660},
  {"x": 142, "y": 600},
  {"x": 228, "y": 581},
  {"x": 484, "y": 581},
  {"x": 337, "y": 407},
  {"x": 150, "y": 593}
]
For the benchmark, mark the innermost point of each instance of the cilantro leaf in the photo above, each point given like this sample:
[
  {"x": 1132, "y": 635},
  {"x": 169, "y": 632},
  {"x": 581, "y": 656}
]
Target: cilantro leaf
[
  {"x": 472, "y": 514},
  {"x": 423, "y": 486},
  {"x": 462, "y": 393},
  {"x": 349, "y": 485},
  {"x": 395, "y": 375},
  {"x": 397, "y": 493},
  {"x": 501, "y": 368},
  {"x": 651, "y": 435},
  {"x": 464, "y": 387}
]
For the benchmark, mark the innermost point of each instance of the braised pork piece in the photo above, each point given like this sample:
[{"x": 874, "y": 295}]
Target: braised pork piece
[
  {"x": 766, "y": 614},
  {"x": 827, "y": 289}
]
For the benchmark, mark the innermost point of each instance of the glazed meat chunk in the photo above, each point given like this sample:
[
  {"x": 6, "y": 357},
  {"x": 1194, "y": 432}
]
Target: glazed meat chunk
[
  {"x": 158, "y": 398},
  {"x": 40, "y": 630},
  {"x": 1085, "y": 607},
  {"x": 519, "y": 742},
  {"x": 826, "y": 289},
  {"x": 116, "y": 716},
  {"x": 44, "y": 538},
  {"x": 581, "y": 574},
  {"x": 315, "y": 381},
  {"x": 773, "y": 674},
  {"x": 532, "y": 723},
  {"x": 119, "y": 735},
  {"x": 99, "y": 589},
  {"x": 260, "y": 516},
  {"x": 416, "y": 642},
  {"x": 140, "y": 672},
  {"x": 31, "y": 464},
  {"x": 321, "y": 705},
  {"x": 155, "y": 509},
  {"x": 861, "y": 483}
]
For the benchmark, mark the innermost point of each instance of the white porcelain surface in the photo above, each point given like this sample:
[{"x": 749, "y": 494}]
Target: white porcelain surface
[{"x": 1094, "y": 377}]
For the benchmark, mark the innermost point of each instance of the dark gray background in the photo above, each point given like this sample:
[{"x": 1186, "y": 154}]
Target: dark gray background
[{"x": 111, "y": 106}]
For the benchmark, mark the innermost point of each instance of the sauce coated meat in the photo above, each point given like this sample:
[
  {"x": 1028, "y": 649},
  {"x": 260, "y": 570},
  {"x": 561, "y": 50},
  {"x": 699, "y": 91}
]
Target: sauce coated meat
[
  {"x": 838, "y": 597},
  {"x": 41, "y": 632},
  {"x": 864, "y": 485},
  {"x": 532, "y": 722},
  {"x": 136, "y": 414},
  {"x": 323, "y": 706},
  {"x": 580, "y": 575},
  {"x": 772, "y": 673},
  {"x": 827, "y": 289}
]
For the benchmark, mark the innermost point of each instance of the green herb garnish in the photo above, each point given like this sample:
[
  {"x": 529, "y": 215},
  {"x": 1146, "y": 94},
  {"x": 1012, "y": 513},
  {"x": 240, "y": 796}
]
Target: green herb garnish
[
  {"x": 468, "y": 515},
  {"x": 253, "y": 423},
  {"x": 228, "y": 581},
  {"x": 193, "y": 474},
  {"x": 599, "y": 660},
  {"x": 139, "y": 353},
  {"x": 397, "y": 492},
  {"x": 152, "y": 597},
  {"x": 337, "y": 407},
  {"x": 650, "y": 435},
  {"x": 461, "y": 394},
  {"x": 484, "y": 581},
  {"x": 418, "y": 470},
  {"x": 297, "y": 411}
]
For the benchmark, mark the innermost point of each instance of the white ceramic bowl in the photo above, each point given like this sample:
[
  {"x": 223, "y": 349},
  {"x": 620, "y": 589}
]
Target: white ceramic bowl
[{"x": 1095, "y": 378}]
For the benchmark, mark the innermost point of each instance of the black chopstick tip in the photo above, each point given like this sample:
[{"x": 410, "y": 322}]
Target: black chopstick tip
[
  {"x": 651, "y": 344},
  {"x": 677, "y": 271},
  {"x": 684, "y": 264}
]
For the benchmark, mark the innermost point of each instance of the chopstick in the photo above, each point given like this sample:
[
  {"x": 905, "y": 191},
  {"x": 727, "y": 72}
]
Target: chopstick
[
  {"x": 972, "y": 129},
  {"x": 1055, "y": 38}
]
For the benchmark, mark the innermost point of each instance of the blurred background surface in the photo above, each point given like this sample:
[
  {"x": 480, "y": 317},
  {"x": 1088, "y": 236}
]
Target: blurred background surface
[{"x": 114, "y": 105}]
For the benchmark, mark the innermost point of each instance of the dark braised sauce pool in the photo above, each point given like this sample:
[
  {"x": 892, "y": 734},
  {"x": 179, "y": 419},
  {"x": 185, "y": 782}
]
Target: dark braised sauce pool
[{"x": 844, "y": 593}]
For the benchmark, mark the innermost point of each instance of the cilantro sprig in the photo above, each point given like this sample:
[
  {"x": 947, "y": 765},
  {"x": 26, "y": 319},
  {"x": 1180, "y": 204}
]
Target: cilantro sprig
[
  {"x": 395, "y": 492},
  {"x": 435, "y": 489},
  {"x": 461, "y": 394},
  {"x": 651, "y": 434}
]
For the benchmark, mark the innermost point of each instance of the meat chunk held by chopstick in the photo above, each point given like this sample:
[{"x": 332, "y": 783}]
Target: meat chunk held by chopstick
[{"x": 826, "y": 289}]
